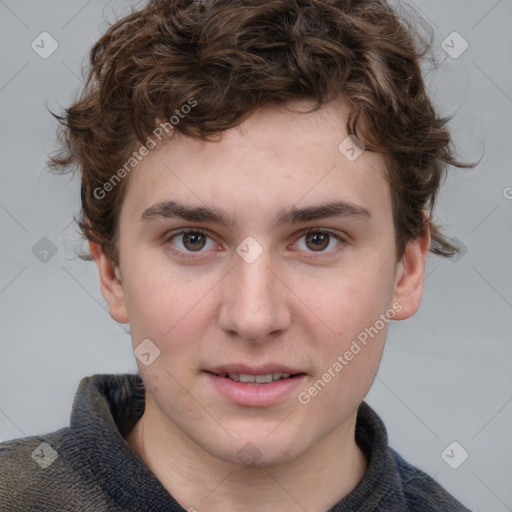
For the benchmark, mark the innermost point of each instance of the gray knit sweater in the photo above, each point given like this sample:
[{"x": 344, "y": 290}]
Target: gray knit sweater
[{"x": 89, "y": 467}]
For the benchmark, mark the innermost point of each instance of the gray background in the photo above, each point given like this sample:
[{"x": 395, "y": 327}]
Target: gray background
[{"x": 446, "y": 374}]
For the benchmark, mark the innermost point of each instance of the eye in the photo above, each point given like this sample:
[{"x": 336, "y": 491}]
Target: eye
[
  {"x": 318, "y": 241},
  {"x": 192, "y": 240}
]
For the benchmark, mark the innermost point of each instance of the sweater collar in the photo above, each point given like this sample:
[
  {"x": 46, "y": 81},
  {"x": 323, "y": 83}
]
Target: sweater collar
[
  {"x": 106, "y": 407},
  {"x": 382, "y": 476}
]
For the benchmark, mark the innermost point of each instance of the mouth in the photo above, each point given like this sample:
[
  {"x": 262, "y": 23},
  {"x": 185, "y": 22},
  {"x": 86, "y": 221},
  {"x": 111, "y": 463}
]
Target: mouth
[
  {"x": 256, "y": 386},
  {"x": 258, "y": 378}
]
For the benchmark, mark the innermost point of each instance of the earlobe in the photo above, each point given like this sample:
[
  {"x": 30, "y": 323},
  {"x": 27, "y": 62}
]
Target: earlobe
[
  {"x": 110, "y": 283},
  {"x": 410, "y": 275}
]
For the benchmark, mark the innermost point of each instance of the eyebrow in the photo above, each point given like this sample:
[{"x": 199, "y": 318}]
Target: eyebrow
[
  {"x": 338, "y": 209},
  {"x": 175, "y": 210},
  {"x": 293, "y": 215}
]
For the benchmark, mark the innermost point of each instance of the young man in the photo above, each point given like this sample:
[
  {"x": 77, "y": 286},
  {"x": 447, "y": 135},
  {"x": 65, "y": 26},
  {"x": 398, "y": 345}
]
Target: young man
[{"x": 257, "y": 186}]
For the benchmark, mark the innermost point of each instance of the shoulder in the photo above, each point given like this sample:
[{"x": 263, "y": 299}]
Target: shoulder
[
  {"x": 21, "y": 458},
  {"x": 421, "y": 491},
  {"x": 36, "y": 474}
]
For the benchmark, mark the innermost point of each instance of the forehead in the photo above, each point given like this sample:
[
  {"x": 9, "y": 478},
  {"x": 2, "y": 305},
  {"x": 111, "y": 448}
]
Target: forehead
[{"x": 280, "y": 156}]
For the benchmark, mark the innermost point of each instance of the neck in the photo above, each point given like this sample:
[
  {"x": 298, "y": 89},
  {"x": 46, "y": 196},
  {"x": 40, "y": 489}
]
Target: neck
[{"x": 314, "y": 481}]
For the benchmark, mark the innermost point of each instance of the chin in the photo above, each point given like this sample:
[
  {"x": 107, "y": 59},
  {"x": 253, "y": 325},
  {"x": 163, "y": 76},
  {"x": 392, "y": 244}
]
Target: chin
[{"x": 256, "y": 452}]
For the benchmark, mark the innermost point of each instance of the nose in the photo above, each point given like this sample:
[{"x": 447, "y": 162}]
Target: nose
[{"x": 255, "y": 302}]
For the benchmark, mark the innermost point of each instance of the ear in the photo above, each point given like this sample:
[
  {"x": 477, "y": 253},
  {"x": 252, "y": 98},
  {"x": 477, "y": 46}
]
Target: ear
[
  {"x": 110, "y": 283},
  {"x": 410, "y": 275}
]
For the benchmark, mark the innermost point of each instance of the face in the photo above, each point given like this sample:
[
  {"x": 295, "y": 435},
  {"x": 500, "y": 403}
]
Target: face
[{"x": 267, "y": 257}]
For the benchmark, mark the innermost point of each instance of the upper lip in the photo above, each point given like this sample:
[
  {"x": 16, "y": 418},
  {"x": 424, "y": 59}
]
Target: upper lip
[{"x": 263, "y": 369}]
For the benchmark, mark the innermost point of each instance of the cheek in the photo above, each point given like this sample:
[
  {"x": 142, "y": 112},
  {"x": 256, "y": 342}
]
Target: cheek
[
  {"x": 354, "y": 312},
  {"x": 347, "y": 302},
  {"x": 162, "y": 301},
  {"x": 349, "y": 363},
  {"x": 174, "y": 314}
]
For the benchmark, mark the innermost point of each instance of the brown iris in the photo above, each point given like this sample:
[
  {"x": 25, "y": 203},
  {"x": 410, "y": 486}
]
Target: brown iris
[
  {"x": 317, "y": 241},
  {"x": 193, "y": 241}
]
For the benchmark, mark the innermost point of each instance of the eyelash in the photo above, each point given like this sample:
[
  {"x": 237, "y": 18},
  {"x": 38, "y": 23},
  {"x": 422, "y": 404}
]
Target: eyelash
[{"x": 310, "y": 254}]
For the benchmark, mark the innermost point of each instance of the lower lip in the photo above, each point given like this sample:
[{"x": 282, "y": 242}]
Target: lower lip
[{"x": 256, "y": 395}]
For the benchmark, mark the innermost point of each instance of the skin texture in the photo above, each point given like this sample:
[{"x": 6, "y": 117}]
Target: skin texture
[{"x": 293, "y": 305}]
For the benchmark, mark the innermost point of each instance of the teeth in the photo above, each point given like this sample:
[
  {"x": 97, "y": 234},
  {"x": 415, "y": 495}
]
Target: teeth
[
  {"x": 263, "y": 379},
  {"x": 258, "y": 379}
]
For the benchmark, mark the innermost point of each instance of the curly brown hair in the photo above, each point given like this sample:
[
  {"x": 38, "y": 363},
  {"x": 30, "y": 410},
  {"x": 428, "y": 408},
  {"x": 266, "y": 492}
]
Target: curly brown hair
[{"x": 229, "y": 58}]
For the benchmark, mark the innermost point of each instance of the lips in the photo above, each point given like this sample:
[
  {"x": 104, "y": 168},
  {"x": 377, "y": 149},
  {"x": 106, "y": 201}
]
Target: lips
[{"x": 247, "y": 386}]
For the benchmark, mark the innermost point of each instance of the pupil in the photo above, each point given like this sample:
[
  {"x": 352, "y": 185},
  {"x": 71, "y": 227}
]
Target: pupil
[
  {"x": 193, "y": 241},
  {"x": 319, "y": 241}
]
